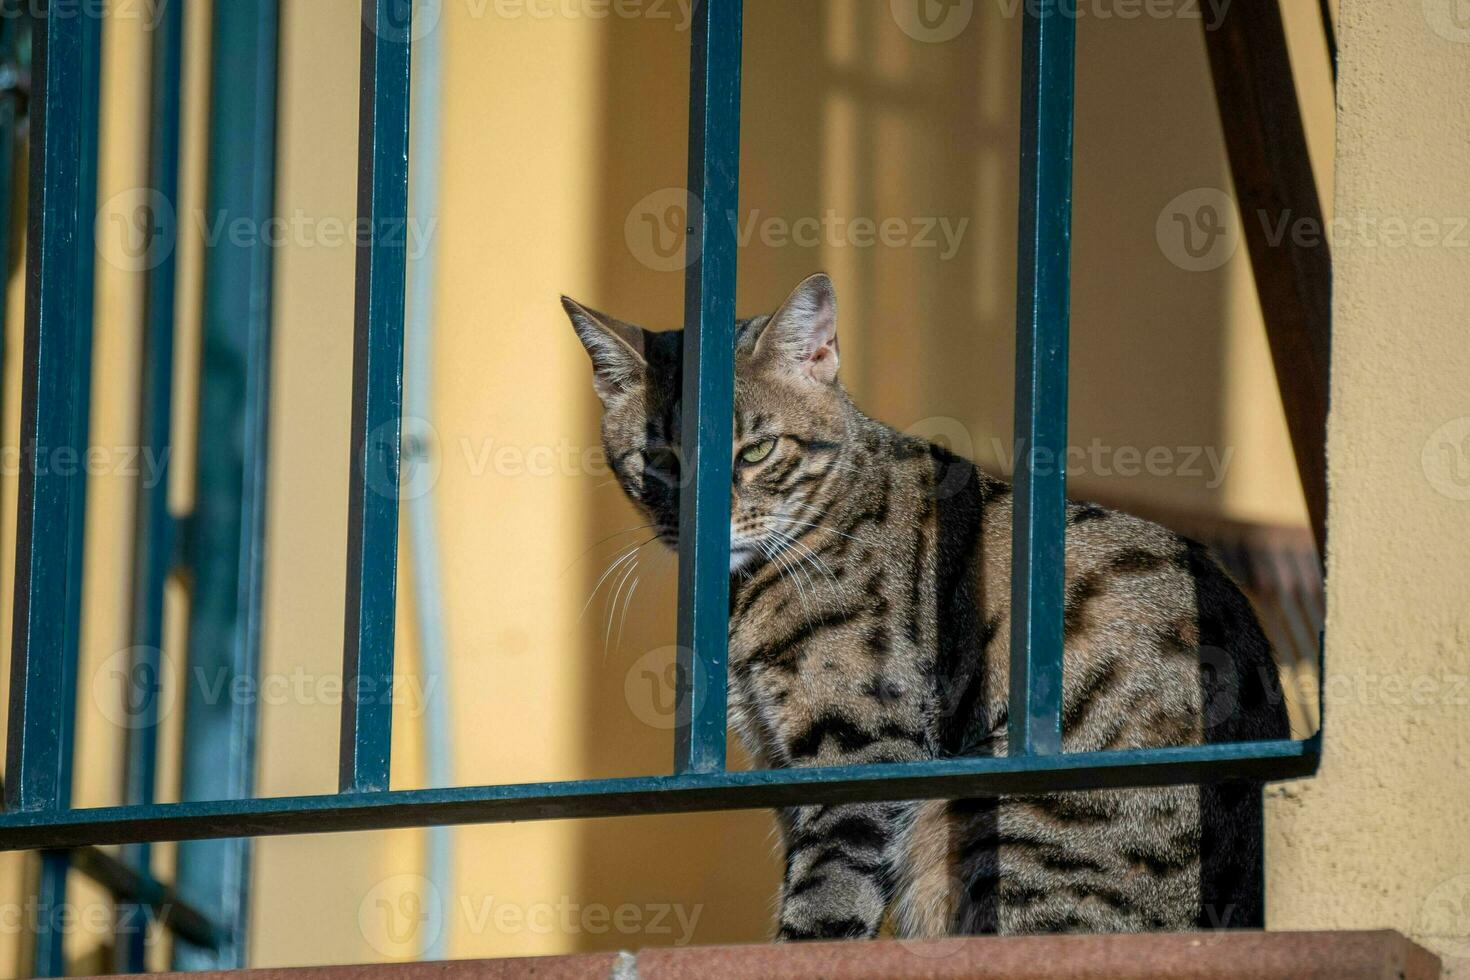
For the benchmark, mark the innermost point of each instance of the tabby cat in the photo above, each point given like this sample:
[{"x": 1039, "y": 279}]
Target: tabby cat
[{"x": 870, "y": 622}]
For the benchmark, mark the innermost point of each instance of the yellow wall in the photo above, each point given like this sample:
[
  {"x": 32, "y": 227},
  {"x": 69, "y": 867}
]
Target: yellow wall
[
  {"x": 1381, "y": 837},
  {"x": 561, "y": 132}
]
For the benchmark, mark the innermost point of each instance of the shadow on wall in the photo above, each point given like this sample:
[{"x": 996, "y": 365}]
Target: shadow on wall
[{"x": 851, "y": 121}]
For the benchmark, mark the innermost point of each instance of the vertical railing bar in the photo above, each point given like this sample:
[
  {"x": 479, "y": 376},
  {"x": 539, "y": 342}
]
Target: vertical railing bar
[
  {"x": 377, "y": 398},
  {"x": 53, "y": 402},
  {"x": 152, "y": 544},
  {"x": 228, "y": 522},
  {"x": 10, "y": 96},
  {"x": 1042, "y": 309},
  {"x": 709, "y": 386},
  {"x": 56, "y": 866},
  {"x": 48, "y": 942}
]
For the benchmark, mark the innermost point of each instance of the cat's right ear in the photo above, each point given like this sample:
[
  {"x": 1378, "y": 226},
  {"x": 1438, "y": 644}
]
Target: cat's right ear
[
  {"x": 801, "y": 336},
  {"x": 616, "y": 349}
]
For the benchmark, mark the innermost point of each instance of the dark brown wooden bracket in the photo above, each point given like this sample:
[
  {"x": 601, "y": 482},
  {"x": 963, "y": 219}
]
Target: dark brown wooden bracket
[{"x": 1281, "y": 216}]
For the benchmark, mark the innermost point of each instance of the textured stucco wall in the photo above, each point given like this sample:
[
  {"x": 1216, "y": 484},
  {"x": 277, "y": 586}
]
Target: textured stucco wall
[{"x": 1382, "y": 837}]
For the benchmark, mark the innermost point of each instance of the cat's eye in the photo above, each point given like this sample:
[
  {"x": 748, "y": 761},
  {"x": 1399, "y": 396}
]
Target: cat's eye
[{"x": 757, "y": 451}]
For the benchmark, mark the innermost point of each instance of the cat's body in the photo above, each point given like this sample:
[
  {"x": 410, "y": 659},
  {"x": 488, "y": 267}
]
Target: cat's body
[{"x": 870, "y": 623}]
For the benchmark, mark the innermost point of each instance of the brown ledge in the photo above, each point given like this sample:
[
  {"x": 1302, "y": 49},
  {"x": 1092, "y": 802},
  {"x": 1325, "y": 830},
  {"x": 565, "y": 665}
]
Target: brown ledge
[{"x": 1297, "y": 955}]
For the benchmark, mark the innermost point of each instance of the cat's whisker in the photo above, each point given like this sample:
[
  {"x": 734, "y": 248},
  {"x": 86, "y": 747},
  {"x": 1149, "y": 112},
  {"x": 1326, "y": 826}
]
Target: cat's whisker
[
  {"x": 612, "y": 606},
  {"x": 841, "y": 467},
  {"x": 782, "y": 570},
  {"x": 626, "y": 553},
  {"x": 627, "y": 604},
  {"x": 789, "y": 540},
  {"x": 823, "y": 527},
  {"x": 805, "y": 596},
  {"x": 602, "y": 541},
  {"x": 816, "y": 561}
]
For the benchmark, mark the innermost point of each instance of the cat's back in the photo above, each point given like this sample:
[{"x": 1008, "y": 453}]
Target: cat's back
[{"x": 1161, "y": 646}]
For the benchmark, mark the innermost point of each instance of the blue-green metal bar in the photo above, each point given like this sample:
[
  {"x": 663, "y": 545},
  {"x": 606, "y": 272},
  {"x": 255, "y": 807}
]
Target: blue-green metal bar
[
  {"x": 953, "y": 778},
  {"x": 1042, "y": 309},
  {"x": 48, "y": 942},
  {"x": 152, "y": 534},
  {"x": 55, "y": 402},
  {"x": 709, "y": 387},
  {"x": 377, "y": 399},
  {"x": 228, "y": 524},
  {"x": 10, "y": 96},
  {"x": 53, "y": 428},
  {"x": 50, "y": 958}
]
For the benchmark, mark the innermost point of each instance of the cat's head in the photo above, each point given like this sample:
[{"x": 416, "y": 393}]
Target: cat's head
[{"x": 791, "y": 418}]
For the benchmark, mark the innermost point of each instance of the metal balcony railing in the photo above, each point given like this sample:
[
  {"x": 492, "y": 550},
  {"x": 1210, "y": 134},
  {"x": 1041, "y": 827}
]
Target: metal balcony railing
[{"x": 221, "y": 542}]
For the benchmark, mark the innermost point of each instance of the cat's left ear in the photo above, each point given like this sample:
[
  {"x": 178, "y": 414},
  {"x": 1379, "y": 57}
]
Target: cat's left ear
[
  {"x": 616, "y": 349},
  {"x": 802, "y": 335}
]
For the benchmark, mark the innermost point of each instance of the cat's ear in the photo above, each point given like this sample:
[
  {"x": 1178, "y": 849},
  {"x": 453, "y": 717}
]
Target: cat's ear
[
  {"x": 616, "y": 348},
  {"x": 802, "y": 335}
]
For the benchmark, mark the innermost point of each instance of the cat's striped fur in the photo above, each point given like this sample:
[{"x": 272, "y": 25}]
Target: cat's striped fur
[{"x": 869, "y": 622}]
